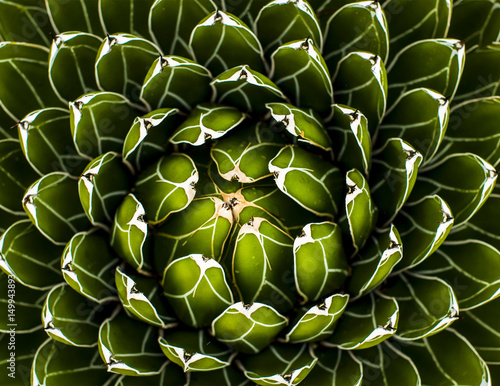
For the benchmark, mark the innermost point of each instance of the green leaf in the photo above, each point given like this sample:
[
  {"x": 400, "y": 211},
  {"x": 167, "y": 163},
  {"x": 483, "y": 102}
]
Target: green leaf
[
  {"x": 122, "y": 63},
  {"x": 446, "y": 358},
  {"x": 175, "y": 82},
  {"x": 261, "y": 265},
  {"x": 100, "y": 122},
  {"x": 71, "y": 64},
  {"x": 317, "y": 322},
  {"x": 228, "y": 376},
  {"x": 194, "y": 350},
  {"x": 102, "y": 186},
  {"x": 279, "y": 365},
  {"x": 423, "y": 226},
  {"x": 360, "y": 81},
  {"x": 375, "y": 262},
  {"x": 170, "y": 375},
  {"x": 197, "y": 289},
  {"x": 248, "y": 328},
  {"x": 222, "y": 41},
  {"x": 70, "y": 318},
  {"x": 56, "y": 363},
  {"x": 320, "y": 263},
  {"x": 74, "y": 16},
  {"x": 474, "y": 281},
  {"x": 309, "y": 180},
  {"x": 463, "y": 195},
  {"x": 148, "y": 137},
  {"x": 410, "y": 21},
  {"x": 29, "y": 257},
  {"x": 172, "y": 21},
  {"x": 282, "y": 21},
  {"x": 142, "y": 297},
  {"x": 423, "y": 127},
  {"x": 21, "y": 307},
  {"x": 167, "y": 186},
  {"x": 15, "y": 176},
  {"x": 360, "y": 26},
  {"x": 350, "y": 137},
  {"x": 206, "y": 122},
  {"x": 129, "y": 236},
  {"x": 434, "y": 63},
  {"x": 366, "y": 323},
  {"x": 23, "y": 68},
  {"x": 123, "y": 352},
  {"x": 53, "y": 206},
  {"x": 91, "y": 277},
  {"x": 300, "y": 71},
  {"x": 202, "y": 228},
  {"x": 136, "y": 23},
  {"x": 393, "y": 176},
  {"x": 334, "y": 367},
  {"x": 427, "y": 305}
]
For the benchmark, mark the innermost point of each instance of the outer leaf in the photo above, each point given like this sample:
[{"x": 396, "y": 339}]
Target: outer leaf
[
  {"x": 228, "y": 376},
  {"x": 29, "y": 257},
  {"x": 74, "y": 16},
  {"x": 136, "y": 24},
  {"x": 248, "y": 328},
  {"x": 171, "y": 374}
]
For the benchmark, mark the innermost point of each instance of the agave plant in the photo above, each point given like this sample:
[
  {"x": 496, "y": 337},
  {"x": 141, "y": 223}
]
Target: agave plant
[{"x": 233, "y": 192}]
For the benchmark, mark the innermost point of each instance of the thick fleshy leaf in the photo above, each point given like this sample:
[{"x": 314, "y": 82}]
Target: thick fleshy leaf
[
  {"x": 129, "y": 237},
  {"x": 74, "y": 16},
  {"x": 170, "y": 375},
  {"x": 194, "y": 350},
  {"x": 446, "y": 358},
  {"x": 172, "y": 21},
  {"x": 70, "y": 318},
  {"x": 300, "y": 71},
  {"x": 71, "y": 64},
  {"x": 207, "y": 122},
  {"x": 320, "y": 263},
  {"x": 176, "y": 82},
  {"x": 376, "y": 261},
  {"x": 366, "y": 323},
  {"x": 16, "y": 175},
  {"x": 463, "y": 195},
  {"x": 474, "y": 281},
  {"x": 142, "y": 297},
  {"x": 202, "y": 228},
  {"x": 281, "y": 21},
  {"x": 360, "y": 26},
  {"x": 393, "y": 176},
  {"x": 411, "y": 21},
  {"x": 261, "y": 265},
  {"x": 423, "y": 227},
  {"x": 423, "y": 127},
  {"x": 427, "y": 305},
  {"x": 303, "y": 124},
  {"x": 466, "y": 135},
  {"x": 244, "y": 155},
  {"x": 46, "y": 141},
  {"x": 279, "y": 365},
  {"x": 100, "y": 122},
  {"x": 309, "y": 180},
  {"x": 123, "y": 352},
  {"x": 20, "y": 306},
  {"x": 246, "y": 89},
  {"x": 136, "y": 23},
  {"x": 222, "y": 41},
  {"x": 317, "y": 322},
  {"x": 197, "y": 289},
  {"x": 360, "y": 81},
  {"x": 91, "y": 277},
  {"x": 122, "y": 63},
  {"x": 102, "y": 186},
  {"x": 411, "y": 67},
  {"x": 248, "y": 328},
  {"x": 53, "y": 206},
  {"x": 23, "y": 71},
  {"x": 228, "y": 376},
  {"x": 350, "y": 137},
  {"x": 56, "y": 363},
  {"x": 334, "y": 367}
]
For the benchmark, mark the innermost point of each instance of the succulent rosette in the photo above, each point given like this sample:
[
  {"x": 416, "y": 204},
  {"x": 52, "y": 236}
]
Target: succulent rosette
[{"x": 234, "y": 192}]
